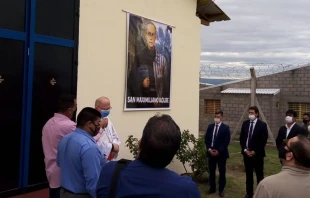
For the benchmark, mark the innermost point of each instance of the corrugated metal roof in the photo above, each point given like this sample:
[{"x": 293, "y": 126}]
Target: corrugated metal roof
[
  {"x": 208, "y": 10},
  {"x": 248, "y": 91}
]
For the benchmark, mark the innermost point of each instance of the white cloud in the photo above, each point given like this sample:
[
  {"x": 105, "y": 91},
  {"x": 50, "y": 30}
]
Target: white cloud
[{"x": 260, "y": 31}]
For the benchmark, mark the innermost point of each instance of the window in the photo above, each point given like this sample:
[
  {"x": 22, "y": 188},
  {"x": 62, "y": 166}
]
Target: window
[
  {"x": 211, "y": 106},
  {"x": 300, "y": 108}
]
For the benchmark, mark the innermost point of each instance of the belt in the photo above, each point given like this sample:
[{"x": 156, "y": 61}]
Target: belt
[{"x": 68, "y": 191}]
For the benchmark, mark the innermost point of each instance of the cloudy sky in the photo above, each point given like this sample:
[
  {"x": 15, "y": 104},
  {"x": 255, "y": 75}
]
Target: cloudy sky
[{"x": 259, "y": 32}]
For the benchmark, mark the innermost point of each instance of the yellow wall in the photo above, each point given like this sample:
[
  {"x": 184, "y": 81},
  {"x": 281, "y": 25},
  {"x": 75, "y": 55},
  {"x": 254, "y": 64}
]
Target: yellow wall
[{"x": 102, "y": 61}]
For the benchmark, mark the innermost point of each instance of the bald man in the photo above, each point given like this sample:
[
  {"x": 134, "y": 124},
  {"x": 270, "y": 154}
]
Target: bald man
[
  {"x": 107, "y": 138},
  {"x": 293, "y": 180}
]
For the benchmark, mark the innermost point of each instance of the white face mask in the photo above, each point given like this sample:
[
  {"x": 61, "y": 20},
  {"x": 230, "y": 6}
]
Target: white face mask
[
  {"x": 309, "y": 128},
  {"x": 252, "y": 117},
  {"x": 288, "y": 119},
  {"x": 217, "y": 120}
]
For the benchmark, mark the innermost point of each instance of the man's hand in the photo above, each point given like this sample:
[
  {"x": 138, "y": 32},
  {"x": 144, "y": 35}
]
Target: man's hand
[
  {"x": 211, "y": 152},
  {"x": 146, "y": 82},
  {"x": 104, "y": 123},
  {"x": 113, "y": 154},
  {"x": 215, "y": 152},
  {"x": 116, "y": 148},
  {"x": 248, "y": 153},
  {"x": 252, "y": 153}
]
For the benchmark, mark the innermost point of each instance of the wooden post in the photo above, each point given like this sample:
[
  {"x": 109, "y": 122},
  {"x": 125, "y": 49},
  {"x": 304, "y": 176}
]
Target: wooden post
[
  {"x": 252, "y": 103},
  {"x": 253, "y": 86},
  {"x": 270, "y": 134},
  {"x": 237, "y": 128}
]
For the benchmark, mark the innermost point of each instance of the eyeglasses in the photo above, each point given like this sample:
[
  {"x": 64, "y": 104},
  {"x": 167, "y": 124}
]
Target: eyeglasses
[
  {"x": 97, "y": 126},
  {"x": 285, "y": 143},
  {"x": 150, "y": 34},
  {"x": 105, "y": 109}
]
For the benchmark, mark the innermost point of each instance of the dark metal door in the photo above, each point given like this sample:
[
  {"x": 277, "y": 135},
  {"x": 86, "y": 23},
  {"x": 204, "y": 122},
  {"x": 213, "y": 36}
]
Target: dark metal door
[
  {"x": 38, "y": 62},
  {"x": 11, "y": 95},
  {"x": 11, "y": 90},
  {"x": 52, "y": 76},
  {"x": 54, "y": 71}
]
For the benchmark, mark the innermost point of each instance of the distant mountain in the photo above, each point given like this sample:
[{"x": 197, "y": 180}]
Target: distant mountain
[{"x": 215, "y": 81}]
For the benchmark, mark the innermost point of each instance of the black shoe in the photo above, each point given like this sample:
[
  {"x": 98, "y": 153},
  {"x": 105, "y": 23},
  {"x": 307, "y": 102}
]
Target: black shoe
[
  {"x": 221, "y": 193},
  {"x": 211, "y": 191}
]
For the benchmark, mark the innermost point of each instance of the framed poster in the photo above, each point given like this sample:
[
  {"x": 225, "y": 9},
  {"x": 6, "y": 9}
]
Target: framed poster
[{"x": 148, "y": 68}]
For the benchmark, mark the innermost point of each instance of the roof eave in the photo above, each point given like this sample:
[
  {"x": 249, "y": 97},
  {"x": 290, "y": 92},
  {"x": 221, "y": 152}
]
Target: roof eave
[{"x": 209, "y": 12}]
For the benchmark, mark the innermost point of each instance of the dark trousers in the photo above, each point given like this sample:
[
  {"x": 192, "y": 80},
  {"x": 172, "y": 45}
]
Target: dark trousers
[
  {"x": 67, "y": 194},
  {"x": 253, "y": 163},
  {"x": 54, "y": 192},
  {"x": 221, "y": 162}
]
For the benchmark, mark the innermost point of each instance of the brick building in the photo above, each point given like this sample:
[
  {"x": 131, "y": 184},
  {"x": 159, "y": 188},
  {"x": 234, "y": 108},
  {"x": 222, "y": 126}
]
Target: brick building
[{"x": 275, "y": 93}]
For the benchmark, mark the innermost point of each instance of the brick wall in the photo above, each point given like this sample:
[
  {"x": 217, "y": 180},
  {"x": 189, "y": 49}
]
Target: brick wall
[{"x": 294, "y": 86}]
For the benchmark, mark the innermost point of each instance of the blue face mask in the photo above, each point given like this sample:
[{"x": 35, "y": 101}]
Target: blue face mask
[{"x": 105, "y": 113}]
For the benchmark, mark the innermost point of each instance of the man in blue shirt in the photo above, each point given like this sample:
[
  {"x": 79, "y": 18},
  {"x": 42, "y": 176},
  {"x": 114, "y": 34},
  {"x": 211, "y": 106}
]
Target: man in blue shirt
[
  {"x": 147, "y": 176},
  {"x": 79, "y": 158}
]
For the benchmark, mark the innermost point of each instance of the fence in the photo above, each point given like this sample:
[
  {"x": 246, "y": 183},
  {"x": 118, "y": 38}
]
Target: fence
[{"x": 239, "y": 72}]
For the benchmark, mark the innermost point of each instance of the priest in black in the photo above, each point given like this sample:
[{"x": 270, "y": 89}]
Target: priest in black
[{"x": 253, "y": 139}]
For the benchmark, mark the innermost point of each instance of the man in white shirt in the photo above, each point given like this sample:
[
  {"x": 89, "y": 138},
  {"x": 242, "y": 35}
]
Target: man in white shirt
[
  {"x": 289, "y": 130},
  {"x": 107, "y": 138}
]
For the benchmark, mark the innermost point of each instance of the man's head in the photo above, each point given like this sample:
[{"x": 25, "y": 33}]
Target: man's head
[
  {"x": 160, "y": 141},
  {"x": 253, "y": 113},
  {"x": 297, "y": 152},
  {"x": 218, "y": 116},
  {"x": 290, "y": 116},
  {"x": 67, "y": 105},
  {"x": 89, "y": 120},
  {"x": 103, "y": 105},
  {"x": 306, "y": 118},
  {"x": 150, "y": 34}
]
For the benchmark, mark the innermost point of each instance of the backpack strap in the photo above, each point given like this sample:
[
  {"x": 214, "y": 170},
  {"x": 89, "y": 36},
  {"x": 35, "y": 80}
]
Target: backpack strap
[{"x": 120, "y": 165}]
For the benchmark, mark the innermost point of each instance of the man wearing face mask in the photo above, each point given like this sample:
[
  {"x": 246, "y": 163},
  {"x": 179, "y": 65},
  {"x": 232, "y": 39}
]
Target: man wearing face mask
[
  {"x": 289, "y": 130},
  {"x": 253, "y": 139},
  {"x": 107, "y": 138},
  {"x": 52, "y": 132},
  {"x": 306, "y": 120},
  {"x": 217, "y": 139},
  {"x": 80, "y": 158},
  {"x": 293, "y": 180}
]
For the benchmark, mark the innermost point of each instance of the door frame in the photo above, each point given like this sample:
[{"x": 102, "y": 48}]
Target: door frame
[{"x": 30, "y": 38}]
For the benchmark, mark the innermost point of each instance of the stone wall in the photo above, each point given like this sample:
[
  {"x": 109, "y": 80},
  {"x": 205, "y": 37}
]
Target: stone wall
[{"x": 294, "y": 87}]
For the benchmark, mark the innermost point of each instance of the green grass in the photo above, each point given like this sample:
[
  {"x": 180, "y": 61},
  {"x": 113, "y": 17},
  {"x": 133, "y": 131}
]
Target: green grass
[{"x": 235, "y": 175}]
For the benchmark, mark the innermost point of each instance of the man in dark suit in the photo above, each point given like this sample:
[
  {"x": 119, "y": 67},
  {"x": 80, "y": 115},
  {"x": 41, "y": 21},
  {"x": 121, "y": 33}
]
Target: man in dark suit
[
  {"x": 253, "y": 139},
  {"x": 217, "y": 139},
  {"x": 288, "y": 131}
]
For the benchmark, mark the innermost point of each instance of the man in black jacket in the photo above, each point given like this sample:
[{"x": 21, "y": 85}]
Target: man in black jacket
[
  {"x": 289, "y": 130},
  {"x": 217, "y": 139},
  {"x": 306, "y": 120},
  {"x": 253, "y": 139}
]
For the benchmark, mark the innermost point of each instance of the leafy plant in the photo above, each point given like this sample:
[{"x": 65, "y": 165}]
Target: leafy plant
[
  {"x": 184, "y": 154},
  {"x": 199, "y": 162},
  {"x": 132, "y": 144},
  {"x": 192, "y": 151}
]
